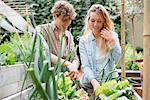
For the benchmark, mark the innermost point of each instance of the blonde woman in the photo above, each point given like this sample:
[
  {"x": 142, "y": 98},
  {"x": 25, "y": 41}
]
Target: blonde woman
[{"x": 99, "y": 47}]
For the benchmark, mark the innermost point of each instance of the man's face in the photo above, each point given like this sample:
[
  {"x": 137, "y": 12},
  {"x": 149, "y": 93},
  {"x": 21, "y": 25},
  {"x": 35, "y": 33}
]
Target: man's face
[{"x": 63, "y": 22}]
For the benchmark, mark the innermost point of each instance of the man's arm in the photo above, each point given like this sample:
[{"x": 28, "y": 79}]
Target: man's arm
[{"x": 54, "y": 59}]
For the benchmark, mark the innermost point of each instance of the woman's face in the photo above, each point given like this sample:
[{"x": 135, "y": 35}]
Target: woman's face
[{"x": 96, "y": 22}]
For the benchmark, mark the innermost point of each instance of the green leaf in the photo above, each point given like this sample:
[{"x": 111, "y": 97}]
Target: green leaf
[{"x": 38, "y": 84}]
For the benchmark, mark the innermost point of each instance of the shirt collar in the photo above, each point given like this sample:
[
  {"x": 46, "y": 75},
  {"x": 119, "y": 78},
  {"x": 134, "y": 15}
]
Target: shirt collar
[
  {"x": 54, "y": 28},
  {"x": 91, "y": 36}
]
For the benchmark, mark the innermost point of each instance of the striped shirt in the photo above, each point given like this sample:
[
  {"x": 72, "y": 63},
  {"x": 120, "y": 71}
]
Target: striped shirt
[{"x": 67, "y": 44}]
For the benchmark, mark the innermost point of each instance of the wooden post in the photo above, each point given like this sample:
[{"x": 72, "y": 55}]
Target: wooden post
[
  {"x": 146, "y": 33},
  {"x": 133, "y": 35},
  {"x": 123, "y": 74}
]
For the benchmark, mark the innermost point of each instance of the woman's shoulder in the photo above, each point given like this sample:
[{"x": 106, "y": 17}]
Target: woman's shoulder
[
  {"x": 84, "y": 38},
  {"x": 115, "y": 35}
]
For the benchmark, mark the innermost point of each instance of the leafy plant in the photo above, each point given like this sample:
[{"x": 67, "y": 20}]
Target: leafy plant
[
  {"x": 113, "y": 90},
  {"x": 67, "y": 89},
  {"x": 130, "y": 59},
  {"x": 7, "y": 57},
  {"x": 23, "y": 42}
]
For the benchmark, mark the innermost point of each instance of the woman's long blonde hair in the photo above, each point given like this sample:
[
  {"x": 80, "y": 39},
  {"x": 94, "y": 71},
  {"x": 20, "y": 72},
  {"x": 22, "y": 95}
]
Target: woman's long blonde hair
[{"x": 108, "y": 24}]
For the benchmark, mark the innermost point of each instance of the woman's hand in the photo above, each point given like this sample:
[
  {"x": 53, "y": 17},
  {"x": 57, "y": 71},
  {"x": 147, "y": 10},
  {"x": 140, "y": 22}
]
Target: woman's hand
[
  {"x": 108, "y": 35},
  {"x": 95, "y": 84}
]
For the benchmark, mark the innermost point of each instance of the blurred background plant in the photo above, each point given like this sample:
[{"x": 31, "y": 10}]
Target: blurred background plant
[
  {"x": 132, "y": 62},
  {"x": 7, "y": 56},
  {"x": 23, "y": 42},
  {"x": 10, "y": 53}
]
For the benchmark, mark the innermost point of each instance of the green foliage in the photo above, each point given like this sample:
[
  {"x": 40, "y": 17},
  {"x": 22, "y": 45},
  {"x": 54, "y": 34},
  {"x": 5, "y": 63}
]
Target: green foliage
[
  {"x": 41, "y": 10},
  {"x": 37, "y": 83},
  {"x": 42, "y": 74},
  {"x": 134, "y": 7},
  {"x": 7, "y": 57},
  {"x": 130, "y": 59},
  {"x": 67, "y": 90},
  {"x": 130, "y": 65},
  {"x": 122, "y": 84},
  {"x": 45, "y": 74},
  {"x": 132, "y": 62},
  {"x": 23, "y": 42},
  {"x": 113, "y": 90},
  {"x": 108, "y": 87},
  {"x": 13, "y": 46}
]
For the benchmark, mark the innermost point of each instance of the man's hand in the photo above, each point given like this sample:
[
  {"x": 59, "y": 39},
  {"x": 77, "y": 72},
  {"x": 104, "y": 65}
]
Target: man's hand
[{"x": 73, "y": 71}]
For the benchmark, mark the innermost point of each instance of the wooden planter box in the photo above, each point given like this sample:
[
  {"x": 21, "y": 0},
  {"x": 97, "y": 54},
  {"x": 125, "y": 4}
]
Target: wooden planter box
[
  {"x": 135, "y": 75},
  {"x": 11, "y": 79}
]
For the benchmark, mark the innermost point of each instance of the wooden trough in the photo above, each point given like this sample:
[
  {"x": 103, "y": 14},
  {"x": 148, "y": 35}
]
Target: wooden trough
[{"x": 11, "y": 79}]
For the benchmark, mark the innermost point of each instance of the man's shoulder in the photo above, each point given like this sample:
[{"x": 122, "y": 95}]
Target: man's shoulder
[
  {"x": 68, "y": 33},
  {"x": 43, "y": 26}
]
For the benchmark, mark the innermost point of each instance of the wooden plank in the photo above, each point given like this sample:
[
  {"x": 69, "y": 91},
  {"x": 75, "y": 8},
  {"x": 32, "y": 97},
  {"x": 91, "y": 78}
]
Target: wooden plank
[
  {"x": 137, "y": 97},
  {"x": 146, "y": 33},
  {"x": 12, "y": 89},
  {"x": 11, "y": 79},
  {"x": 129, "y": 73},
  {"x": 17, "y": 20},
  {"x": 11, "y": 74},
  {"x": 139, "y": 91},
  {"x": 20, "y": 96},
  {"x": 123, "y": 39},
  {"x": 7, "y": 26}
]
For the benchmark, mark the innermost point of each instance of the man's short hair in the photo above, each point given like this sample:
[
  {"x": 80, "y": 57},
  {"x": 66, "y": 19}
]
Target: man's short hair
[{"x": 63, "y": 8}]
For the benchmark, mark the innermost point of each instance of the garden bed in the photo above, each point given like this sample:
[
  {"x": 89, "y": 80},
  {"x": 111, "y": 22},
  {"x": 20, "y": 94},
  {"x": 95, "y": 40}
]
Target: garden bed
[
  {"x": 135, "y": 75},
  {"x": 11, "y": 79}
]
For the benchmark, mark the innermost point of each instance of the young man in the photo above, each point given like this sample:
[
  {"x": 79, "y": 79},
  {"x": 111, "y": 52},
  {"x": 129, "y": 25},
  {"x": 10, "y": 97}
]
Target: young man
[{"x": 63, "y": 14}]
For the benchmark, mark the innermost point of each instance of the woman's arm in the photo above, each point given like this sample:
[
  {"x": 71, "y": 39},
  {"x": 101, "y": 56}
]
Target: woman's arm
[
  {"x": 95, "y": 84},
  {"x": 85, "y": 61},
  {"x": 116, "y": 49},
  {"x": 113, "y": 43}
]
